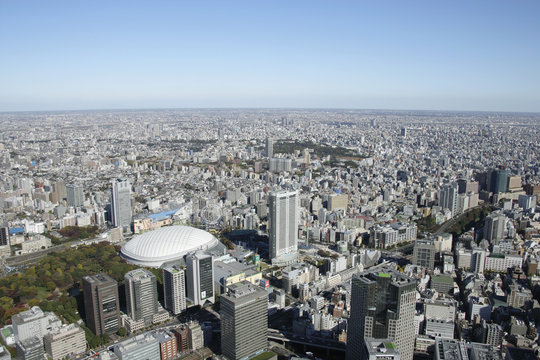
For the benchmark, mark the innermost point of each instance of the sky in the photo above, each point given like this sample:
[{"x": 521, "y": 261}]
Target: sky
[{"x": 380, "y": 54}]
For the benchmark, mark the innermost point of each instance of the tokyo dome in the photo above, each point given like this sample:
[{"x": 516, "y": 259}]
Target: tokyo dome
[{"x": 167, "y": 244}]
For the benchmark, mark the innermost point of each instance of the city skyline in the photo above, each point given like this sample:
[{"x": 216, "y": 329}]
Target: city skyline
[{"x": 424, "y": 56}]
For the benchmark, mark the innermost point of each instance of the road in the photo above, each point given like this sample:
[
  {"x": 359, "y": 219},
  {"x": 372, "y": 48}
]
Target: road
[{"x": 19, "y": 260}]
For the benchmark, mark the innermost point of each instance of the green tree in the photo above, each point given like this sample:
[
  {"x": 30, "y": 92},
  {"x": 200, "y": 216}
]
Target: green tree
[{"x": 122, "y": 332}]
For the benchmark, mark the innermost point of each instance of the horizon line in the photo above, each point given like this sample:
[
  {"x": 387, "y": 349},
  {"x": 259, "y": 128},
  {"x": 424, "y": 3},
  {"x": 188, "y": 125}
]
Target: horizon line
[{"x": 266, "y": 108}]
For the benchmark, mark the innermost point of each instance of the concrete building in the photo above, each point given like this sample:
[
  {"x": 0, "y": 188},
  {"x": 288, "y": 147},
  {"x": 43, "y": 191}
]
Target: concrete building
[
  {"x": 101, "y": 303},
  {"x": 440, "y": 317},
  {"x": 279, "y": 165},
  {"x": 168, "y": 346},
  {"x": 30, "y": 349},
  {"x": 4, "y": 235},
  {"x": 338, "y": 201},
  {"x": 229, "y": 273},
  {"x": 195, "y": 335},
  {"x": 182, "y": 339},
  {"x": 492, "y": 334},
  {"x": 69, "y": 340},
  {"x": 200, "y": 278},
  {"x": 449, "y": 349},
  {"x": 443, "y": 284},
  {"x": 269, "y": 148},
  {"x": 494, "y": 227},
  {"x": 380, "y": 349},
  {"x": 75, "y": 195},
  {"x": 283, "y": 223},
  {"x": 121, "y": 203},
  {"x": 33, "y": 323},
  {"x": 243, "y": 321},
  {"x": 424, "y": 253},
  {"x": 140, "y": 347},
  {"x": 174, "y": 289},
  {"x": 448, "y": 198},
  {"x": 390, "y": 316},
  {"x": 141, "y": 295}
]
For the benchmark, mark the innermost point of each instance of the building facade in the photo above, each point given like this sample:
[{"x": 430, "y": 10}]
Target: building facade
[
  {"x": 141, "y": 295},
  {"x": 200, "y": 278},
  {"x": 376, "y": 316},
  {"x": 101, "y": 303},
  {"x": 174, "y": 289},
  {"x": 121, "y": 203},
  {"x": 283, "y": 223},
  {"x": 244, "y": 321}
]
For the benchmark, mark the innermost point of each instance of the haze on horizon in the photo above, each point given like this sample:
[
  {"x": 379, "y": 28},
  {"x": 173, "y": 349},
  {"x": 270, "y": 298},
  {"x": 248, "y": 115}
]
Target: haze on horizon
[{"x": 72, "y": 55}]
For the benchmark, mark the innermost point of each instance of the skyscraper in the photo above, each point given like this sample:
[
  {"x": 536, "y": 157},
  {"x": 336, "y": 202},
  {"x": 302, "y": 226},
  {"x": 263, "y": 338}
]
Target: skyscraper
[
  {"x": 4, "y": 235},
  {"x": 499, "y": 181},
  {"x": 121, "y": 203},
  {"x": 141, "y": 295},
  {"x": 448, "y": 198},
  {"x": 494, "y": 227},
  {"x": 74, "y": 195},
  {"x": 424, "y": 253},
  {"x": 269, "y": 147},
  {"x": 200, "y": 278},
  {"x": 382, "y": 306},
  {"x": 244, "y": 320},
  {"x": 101, "y": 303},
  {"x": 283, "y": 223},
  {"x": 174, "y": 289}
]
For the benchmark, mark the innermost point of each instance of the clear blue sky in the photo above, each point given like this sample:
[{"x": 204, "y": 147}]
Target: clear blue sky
[{"x": 379, "y": 54}]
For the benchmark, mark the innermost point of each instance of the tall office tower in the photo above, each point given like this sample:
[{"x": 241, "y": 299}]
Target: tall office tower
[
  {"x": 283, "y": 223},
  {"x": 494, "y": 227},
  {"x": 4, "y": 235},
  {"x": 382, "y": 306},
  {"x": 74, "y": 195},
  {"x": 498, "y": 181},
  {"x": 269, "y": 148},
  {"x": 101, "y": 303},
  {"x": 448, "y": 198},
  {"x": 60, "y": 189},
  {"x": 174, "y": 289},
  {"x": 403, "y": 131},
  {"x": 478, "y": 260},
  {"x": 141, "y": 295},
  {"x": 121, "y": 203},
  {"x": 424, "y": 253},
  {"x": 200, "y": 278},
  {"x": 244, "y": 321}
]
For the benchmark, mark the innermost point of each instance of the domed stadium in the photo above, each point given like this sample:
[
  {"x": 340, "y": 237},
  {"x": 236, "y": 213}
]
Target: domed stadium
[{"x": 167, "y": 244}]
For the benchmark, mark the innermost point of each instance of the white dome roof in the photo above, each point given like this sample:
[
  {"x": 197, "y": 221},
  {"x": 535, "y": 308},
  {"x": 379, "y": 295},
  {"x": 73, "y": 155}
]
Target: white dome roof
[{"x": 166, "y": 244}]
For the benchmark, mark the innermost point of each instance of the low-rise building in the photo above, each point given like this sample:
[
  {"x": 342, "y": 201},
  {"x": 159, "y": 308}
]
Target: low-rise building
[{"x": 65, "y": 341}]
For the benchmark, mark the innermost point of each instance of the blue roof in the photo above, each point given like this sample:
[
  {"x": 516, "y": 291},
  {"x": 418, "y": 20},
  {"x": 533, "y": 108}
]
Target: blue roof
[
  {"x": 16, "y": 230},
  {"x": 162, "y": 215}
]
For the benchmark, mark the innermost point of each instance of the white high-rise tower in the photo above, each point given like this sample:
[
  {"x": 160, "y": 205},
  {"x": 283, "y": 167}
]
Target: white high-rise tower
[
  {"x": 283, "y": 223},
  {"x": 121, "y": 203}
]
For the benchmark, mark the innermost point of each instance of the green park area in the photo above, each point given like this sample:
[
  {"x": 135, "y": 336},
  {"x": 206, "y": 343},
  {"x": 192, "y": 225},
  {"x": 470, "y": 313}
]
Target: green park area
[{"x": 54, "y": 283}]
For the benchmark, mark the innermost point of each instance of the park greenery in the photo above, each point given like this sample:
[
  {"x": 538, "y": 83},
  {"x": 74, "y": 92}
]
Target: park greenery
[
  {"x": 79, "y": 232},
  {"x": 54, "y": 283},
  {"x": 321, "y": 150},
  {"x": 474, "y": 218}
]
